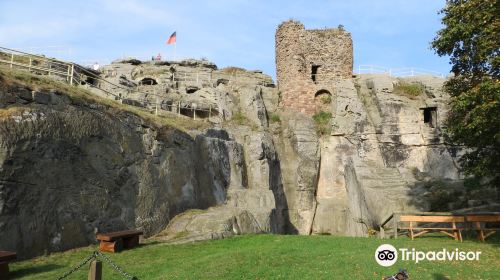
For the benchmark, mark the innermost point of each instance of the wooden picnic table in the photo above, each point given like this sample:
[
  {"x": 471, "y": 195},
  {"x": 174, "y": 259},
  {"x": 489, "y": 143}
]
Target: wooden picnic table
[{"x": 448, "y": 223}]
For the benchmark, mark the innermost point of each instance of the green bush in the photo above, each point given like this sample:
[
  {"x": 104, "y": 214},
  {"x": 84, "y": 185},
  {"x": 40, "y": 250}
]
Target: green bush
[
  {"x": 240, "y": 119},
  {"x": 411, "y": 90},
  {"x": 322, "y": 122},
  {"x": 275, "y": 118},
  {"x": 326, "y": 99}
]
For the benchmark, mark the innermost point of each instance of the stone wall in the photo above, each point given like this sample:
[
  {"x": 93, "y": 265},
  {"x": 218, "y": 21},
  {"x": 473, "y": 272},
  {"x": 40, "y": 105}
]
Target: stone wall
[{"x": 309, "y": 61}]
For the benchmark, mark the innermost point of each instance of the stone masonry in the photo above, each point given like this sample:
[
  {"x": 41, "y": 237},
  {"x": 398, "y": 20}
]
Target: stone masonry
[{"x": 308, "y": 62}]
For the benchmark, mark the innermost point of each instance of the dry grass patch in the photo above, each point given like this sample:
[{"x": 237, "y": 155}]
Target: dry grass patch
[
  {"x": 81, "y": 96},
  {"x": 411, "y": 90}
]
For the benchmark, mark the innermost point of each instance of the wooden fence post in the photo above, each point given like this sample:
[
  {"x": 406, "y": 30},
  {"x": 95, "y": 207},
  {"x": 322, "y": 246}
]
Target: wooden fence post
[
  {"x": 67, "y": 73},
  {"x": 72, "y": 73},
  {"x": 95, "y": 271}
]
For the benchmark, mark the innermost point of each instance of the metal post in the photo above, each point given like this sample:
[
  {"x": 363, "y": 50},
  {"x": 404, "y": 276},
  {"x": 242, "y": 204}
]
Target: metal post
[
  {"x": 193, "y": 105},
  {"x": 197, "y": 83},
  {"x": 29, "y": 66},
  {"x": 395, "y": 217},
  {"x": 179, "y": 107},
  {"x": 11, "y": 59},
  {"x": 95, "y": 271}
]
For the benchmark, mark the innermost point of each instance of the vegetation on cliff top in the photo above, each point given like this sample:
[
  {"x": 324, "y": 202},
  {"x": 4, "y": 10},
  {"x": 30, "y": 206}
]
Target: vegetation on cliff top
[
  {"x": 272, "y": 257},
  {"x": 9, "y": 78},
  {"x": 322, "y": 123},
  {"x": 411, "y": 90},
  {"x": 470, "y": 37}
]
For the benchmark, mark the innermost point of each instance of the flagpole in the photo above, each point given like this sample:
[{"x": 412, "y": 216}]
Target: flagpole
[{"x": 175, "y": 50}]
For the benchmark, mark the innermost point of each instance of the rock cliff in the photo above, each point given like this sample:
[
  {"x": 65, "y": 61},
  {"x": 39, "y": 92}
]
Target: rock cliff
[{"x": 72, "y": 164}]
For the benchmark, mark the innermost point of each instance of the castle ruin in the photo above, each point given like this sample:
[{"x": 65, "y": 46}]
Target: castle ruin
[{"x": 307, "y": 63}]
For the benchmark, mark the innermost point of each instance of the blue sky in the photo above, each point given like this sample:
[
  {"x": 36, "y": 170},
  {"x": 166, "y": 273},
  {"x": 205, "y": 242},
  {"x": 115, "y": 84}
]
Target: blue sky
[{"x": 392, "y": 33}]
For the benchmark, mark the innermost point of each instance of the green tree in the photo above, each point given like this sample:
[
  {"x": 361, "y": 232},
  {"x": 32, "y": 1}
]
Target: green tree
[{"x": 471, "y": 38}]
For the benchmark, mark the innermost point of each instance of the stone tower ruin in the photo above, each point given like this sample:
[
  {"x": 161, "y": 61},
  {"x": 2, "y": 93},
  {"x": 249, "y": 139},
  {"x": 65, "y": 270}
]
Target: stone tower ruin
[{"x": 308, "y": 62}]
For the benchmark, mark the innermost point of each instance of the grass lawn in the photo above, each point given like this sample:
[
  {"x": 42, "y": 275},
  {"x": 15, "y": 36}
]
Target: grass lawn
[{"x": 272, "y": 257}]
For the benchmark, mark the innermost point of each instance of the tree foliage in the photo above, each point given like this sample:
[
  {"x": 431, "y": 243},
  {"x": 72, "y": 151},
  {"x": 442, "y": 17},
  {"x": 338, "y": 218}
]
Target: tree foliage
[{"x": 471, "y": 37}]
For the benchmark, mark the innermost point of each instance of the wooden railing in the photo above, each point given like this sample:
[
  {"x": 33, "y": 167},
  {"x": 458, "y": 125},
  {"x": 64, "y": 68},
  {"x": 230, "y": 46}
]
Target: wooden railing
[
  {"x": 75, "y": 74},
  {"x": 31, "y": 62}
]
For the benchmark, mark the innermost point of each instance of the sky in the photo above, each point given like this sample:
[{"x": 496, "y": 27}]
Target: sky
[{"x": 386, "y": 33}]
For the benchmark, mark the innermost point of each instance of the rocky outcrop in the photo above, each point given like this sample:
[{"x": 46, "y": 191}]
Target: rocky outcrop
[
  {"x": 254, "y": 201},
  {"x": 182, "y": 86},
  {"x": 70, "y": 168},
  {"x": 299, "y": 156},
  {"x": 380, "y": 141},
  {"x": 247, "y": 204}
]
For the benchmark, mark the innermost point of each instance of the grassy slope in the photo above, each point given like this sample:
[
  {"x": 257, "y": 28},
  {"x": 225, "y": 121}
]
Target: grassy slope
[
  {"x": 79, "y": 95},
  {"x": 273, "y": 257}
]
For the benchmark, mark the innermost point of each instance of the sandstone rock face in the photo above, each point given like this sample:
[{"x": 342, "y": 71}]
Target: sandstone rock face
[
  {"x": 247, "y": 205},
  {"x": 380, "y": 142},
  {"x": 69, "y": 171},
  {"x": 299, "y": 156},
  {"x": 386, "y": 153},
  {"x": 71, "y": 168},
  {"x": 182, "y": 86}
]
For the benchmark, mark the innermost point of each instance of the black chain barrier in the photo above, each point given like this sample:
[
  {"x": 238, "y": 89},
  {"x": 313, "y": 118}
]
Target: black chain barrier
[{"x": 95, "y": 256}]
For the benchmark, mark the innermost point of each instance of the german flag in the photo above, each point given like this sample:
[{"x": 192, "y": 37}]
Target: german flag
[{"x": 172, "y": 38}]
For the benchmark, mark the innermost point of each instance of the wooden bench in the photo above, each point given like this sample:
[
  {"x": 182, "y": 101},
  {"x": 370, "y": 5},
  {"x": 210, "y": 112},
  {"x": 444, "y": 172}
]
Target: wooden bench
[
  {"x": 415, "y": 230},
  {"x": 479, "y": 223},
  {"x": 118, "y": 240},
  {"x": 5, "y": 258}
]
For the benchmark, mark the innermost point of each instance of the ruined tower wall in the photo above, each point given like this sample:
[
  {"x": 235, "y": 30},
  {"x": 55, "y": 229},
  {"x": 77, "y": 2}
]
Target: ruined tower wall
[{"x": 298, "y": 50}]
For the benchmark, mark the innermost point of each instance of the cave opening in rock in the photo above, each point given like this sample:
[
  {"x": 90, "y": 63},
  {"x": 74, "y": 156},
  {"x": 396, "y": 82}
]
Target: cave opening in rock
[
  {"x": 430, "y": 116},
  {"x": 148, "y": 81}
]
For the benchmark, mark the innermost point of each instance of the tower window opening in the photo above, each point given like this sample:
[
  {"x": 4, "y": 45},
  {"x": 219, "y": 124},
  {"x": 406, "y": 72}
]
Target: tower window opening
[{"x": 314, "y": 72}]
